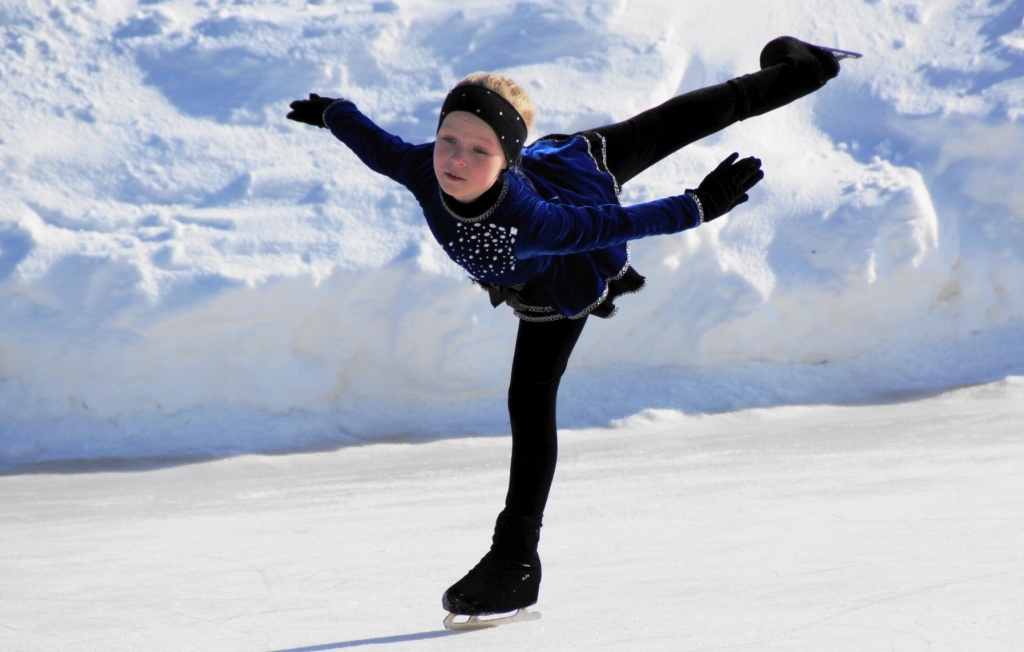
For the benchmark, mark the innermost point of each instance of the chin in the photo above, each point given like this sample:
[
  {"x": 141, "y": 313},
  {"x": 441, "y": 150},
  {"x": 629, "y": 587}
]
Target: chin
[{"x": 453, "y": 192}]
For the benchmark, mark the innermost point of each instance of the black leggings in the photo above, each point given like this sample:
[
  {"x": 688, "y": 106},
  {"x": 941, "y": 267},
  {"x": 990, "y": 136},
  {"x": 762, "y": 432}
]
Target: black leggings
[
  {"x": 541, "y": 355},
  {"x": 543, "y": 348},
  {"x": 633, "y": 145},
  {"x": 636, "y": 144}
]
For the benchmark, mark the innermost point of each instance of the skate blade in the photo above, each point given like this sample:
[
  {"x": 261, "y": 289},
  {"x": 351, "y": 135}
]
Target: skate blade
[
  {"x": 484, "y": 622},
  {"x": 841, "y": 54}
]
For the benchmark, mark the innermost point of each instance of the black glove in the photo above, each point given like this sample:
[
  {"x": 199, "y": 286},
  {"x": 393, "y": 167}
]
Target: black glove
[
  {"x": 727, "y": 185},
  {"x": 310, "y": 111}
]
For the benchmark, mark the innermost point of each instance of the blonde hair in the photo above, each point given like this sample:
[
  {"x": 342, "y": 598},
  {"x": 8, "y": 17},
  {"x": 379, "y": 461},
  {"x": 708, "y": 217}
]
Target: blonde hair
[{"x": 508, "y": 89}]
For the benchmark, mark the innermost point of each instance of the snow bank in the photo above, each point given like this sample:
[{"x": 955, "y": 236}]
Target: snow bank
[{"x": 184, "y": 272}]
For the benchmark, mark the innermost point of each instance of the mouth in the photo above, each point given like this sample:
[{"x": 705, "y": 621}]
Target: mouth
[{"x": 452, "y": 177}]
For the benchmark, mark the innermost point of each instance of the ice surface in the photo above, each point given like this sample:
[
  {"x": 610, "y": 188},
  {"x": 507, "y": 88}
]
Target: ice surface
[{"x": 883, "y": 527}]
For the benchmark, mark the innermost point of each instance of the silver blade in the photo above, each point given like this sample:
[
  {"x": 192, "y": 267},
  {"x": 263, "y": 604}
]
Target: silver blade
[
  {"x": 842, "y": 54},
  {"x": 483, "y": 622}
]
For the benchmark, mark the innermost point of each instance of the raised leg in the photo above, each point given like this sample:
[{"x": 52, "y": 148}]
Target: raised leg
[{"x": 790, "y": 69}]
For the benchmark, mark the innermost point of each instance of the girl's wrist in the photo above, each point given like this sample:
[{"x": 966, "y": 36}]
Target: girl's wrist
[{"x": 700, "y": 207}]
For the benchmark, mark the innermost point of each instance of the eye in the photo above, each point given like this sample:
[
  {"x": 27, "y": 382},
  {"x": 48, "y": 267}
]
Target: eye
[{"x": 480, "y": 150}]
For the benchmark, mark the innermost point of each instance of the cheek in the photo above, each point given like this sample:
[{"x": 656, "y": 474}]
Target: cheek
[
  {"x": 438, "y": 160},
  {"x": 498, "y": 167},
  {"x": 490, "y": 169}
]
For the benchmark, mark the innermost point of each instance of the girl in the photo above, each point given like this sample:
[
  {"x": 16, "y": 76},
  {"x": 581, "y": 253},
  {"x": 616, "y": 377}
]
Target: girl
[{"x": 540, "y": 227}]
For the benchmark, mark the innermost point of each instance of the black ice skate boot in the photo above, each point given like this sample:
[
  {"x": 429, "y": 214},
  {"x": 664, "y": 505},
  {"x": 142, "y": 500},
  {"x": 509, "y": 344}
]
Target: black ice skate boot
[
  {"x": 507, "y": 578},
  {"x": 790, "y": 69}
]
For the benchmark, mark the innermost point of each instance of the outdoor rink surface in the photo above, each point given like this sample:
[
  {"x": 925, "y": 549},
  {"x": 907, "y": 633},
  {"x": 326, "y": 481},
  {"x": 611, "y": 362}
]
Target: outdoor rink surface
[{"x": 882, "y": 527}]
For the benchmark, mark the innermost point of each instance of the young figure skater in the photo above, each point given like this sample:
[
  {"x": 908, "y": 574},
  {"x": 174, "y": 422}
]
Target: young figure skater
[{"x": 541, "y": 228}]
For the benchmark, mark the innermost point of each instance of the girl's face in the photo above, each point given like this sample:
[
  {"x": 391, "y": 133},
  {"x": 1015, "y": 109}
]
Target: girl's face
[{"x": 467, "y": 156}]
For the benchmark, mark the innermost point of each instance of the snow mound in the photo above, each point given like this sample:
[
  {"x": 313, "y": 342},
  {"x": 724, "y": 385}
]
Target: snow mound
[{"x": 184, "y": 272}]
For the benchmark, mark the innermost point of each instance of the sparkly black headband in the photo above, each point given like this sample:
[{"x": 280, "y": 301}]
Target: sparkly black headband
[{"x": 493, "y": 109}]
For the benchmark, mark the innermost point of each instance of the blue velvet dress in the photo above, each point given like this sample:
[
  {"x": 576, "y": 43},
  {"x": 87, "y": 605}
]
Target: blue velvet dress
[{"x": 550, "y": 239}]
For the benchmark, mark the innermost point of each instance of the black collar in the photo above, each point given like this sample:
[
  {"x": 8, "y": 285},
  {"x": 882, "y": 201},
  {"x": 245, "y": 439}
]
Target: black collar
[{"x": 480, "y": 207}]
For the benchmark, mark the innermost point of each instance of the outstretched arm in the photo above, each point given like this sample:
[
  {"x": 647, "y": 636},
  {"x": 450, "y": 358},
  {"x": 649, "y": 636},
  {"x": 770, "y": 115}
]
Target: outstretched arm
[
  {"x": 558, "y": 229},
  {"x": 381, "y": 151}
]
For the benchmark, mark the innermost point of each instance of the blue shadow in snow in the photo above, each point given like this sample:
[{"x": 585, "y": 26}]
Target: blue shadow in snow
[
  {"x": 383, "y": 640},
  {"x": 15, "y": 245},
  {"x": 214, "y": 83}
]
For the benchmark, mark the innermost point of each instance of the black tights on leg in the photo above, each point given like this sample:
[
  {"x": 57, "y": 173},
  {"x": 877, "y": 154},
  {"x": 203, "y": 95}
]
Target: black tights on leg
[
  {"x": 508, "y": 577},
  {"x": 543, "y": 348},
  {"x": 541, "y": 356},
  {"x": 790, "y": 70},
  {"x": 636, "y": 144}
]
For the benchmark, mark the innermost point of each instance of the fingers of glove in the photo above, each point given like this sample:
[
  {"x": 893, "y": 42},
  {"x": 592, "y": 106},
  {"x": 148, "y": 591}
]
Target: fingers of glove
[
  {"x": 313, "y": 101},
  {"x": 309, "y": 111},
  {"x": 746, "y": 167},
  {"x": 751, "y": 162},
  {"x": 299, "y": 110},
  {"x": 306, "y": 117},
  {"x": 321, "y": 100},
  {"x": 743, "y": 175},
  {"x": 733, "y": 175},
  {"x": 305, "y": 107},
  {"x": 727, "y": 163},
  {"x": 751, "y": 181},
  {"x": 739, "y": 200}
]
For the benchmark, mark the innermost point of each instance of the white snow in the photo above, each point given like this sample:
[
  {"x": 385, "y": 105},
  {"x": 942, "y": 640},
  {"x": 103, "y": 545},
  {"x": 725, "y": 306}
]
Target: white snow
[{"x": 803, "y": 435}]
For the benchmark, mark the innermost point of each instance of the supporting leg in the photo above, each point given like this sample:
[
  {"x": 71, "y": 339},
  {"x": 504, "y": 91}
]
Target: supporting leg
[
  {"x": 508, "y": 576},
  {"x": 541, "y": 356}
]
